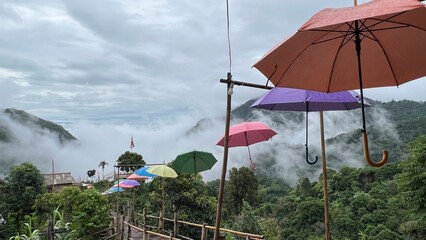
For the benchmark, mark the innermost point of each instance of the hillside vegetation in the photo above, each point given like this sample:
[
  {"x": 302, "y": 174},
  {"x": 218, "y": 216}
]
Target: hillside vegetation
[{"x": 30, "y": 121}]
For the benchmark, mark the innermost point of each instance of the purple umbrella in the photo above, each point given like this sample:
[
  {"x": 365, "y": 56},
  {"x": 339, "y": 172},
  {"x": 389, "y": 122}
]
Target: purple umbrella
[
  {"x": 289, "y": 99},
  {"x": 127, "y": 182}
]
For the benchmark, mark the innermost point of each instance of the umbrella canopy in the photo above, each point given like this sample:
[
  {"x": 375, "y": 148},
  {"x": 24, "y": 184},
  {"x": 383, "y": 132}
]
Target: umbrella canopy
[
  {"x": 134, "y": 176},
  {"x": 321, "y": 56},
  {"x": 143, "y": 172},
  {"x": 388, "y": 50},
  {"x": 122, "y": 185},
  {"x": 127, "y": 182},
  {"x": 162, "y": 170},
  {"x": 194, "y": 162},
  {"x": 113, "y": 189},
  {"x": 248, "y": 133},
  {"x": 289, "y": 99}
]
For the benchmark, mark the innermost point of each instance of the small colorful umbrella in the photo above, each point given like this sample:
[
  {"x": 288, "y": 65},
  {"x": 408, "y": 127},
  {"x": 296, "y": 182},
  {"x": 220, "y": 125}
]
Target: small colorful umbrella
[
  {"x": 194, "y": 162},
  {"x": 127, "y": 182},
  {"x": 162, "y": 170},
  {"x": 134, "y": 176},
  {"x": 143, "y": 172},
  {"x": 246, "y": 134},
  {"x": 113, "y": 189},
  {"x": 376, "y": 44}
]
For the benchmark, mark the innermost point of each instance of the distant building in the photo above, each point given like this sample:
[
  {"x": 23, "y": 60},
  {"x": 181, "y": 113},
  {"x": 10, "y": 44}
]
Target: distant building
[{"x": 56, "y": 182}]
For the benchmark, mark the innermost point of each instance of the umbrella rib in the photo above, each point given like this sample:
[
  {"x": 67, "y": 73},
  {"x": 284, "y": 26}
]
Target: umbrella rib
[
  {"x": 266, "y": 136},
  {"x": 342, "y": 43},
  {"x": 389, "y": 20},
  {"x": 294, "y": 60},
  {"x": 385, "y": 54}
]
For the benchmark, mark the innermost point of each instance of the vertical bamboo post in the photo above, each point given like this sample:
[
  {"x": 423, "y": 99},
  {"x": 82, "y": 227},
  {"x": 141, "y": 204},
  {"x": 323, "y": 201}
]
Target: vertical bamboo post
[
  {"x": 117, "y": 199},
  {"x": 324, "y": 179},
  {"x": 204, "y": 232},
  {"x": 129, "y": 232},
  {"x": 143, "y": 218},
  {"x": 53, "y": 176},
  {"x": 161, "y": 221},
  {"x": 145, "y": 234},
  {"x": 129, "y": 218},
  {"x": 225, "y": 157},
  {"x": 122, "y": 227},
  {"x": 175, "y": 224}
]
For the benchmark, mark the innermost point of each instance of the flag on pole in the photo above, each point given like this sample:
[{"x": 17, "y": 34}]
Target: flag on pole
[{"x": 132, "y": 144}]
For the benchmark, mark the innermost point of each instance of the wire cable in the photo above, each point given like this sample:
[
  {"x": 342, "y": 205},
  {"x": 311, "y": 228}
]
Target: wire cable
[{"x": 229, "y": 37}]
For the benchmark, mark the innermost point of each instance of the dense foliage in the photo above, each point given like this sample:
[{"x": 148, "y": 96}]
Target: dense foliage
[
  {"x": 130, "y": 161},
  {"x": 18, "y": 194},
  {"x": 365, "y": 203}
]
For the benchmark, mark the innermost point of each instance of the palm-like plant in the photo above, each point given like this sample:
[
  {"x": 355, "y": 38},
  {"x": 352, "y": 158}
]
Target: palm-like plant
[
  {"x": 59, "y": 220},
  {"x": 30, "y": 233},
  {"x": 102, "y": 165}
]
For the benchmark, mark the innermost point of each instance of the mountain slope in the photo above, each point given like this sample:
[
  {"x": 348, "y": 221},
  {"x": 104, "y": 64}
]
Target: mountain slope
[
  {"x": 390, "y": 125},
  {"x": 7, "y": 134}
]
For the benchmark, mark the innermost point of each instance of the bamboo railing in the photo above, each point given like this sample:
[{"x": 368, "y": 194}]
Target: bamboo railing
[{"x": 173, "y": 234}]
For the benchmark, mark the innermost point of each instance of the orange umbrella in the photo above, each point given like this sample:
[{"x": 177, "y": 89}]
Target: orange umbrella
[{"x": 378, "y": 43}]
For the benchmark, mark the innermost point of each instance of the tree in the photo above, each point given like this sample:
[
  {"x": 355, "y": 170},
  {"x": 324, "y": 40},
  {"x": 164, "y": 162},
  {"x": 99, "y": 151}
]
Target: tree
[
  {"x": 91, "y": 173},
  {"x": 23, "y": 184},
  {"x": 412, "y": 184},
  {"x": 102, "y": 165},
  {"x": 87, "y": 210},
  {"x": 246, "y": 221},
  {"x": 187, "y": 194},
  {"x": 412, "y": 180},
  {"x": 242, "y": 185},
  {"x": 130, "y": 161}
]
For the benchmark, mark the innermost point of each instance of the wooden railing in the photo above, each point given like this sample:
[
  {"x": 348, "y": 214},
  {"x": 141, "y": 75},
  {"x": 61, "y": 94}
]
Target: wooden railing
[{"x": 159, "y": 230}]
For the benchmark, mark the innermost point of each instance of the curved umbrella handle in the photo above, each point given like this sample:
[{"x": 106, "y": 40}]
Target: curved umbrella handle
[
  {"x": 307, "y": 158},
  {"x": 367, "y": 153}
]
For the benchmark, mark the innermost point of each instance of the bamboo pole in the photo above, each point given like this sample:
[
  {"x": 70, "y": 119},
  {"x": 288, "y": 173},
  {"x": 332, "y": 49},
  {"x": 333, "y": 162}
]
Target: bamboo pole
[
  {"x": 161, "y": 221},
  {"x": 324, "y": 179},
  {"x": 203, "y": 232},
  {"x": 225, "y": 157},
  {"x": 175, "y": 224},
  {"x": 53, "y": 176}
]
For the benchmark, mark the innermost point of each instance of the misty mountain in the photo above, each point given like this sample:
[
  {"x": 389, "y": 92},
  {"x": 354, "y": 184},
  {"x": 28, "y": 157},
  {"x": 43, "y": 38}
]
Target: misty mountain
[
  {"x": 390, "y": 126},
  {"x": 29, "y": 121}
]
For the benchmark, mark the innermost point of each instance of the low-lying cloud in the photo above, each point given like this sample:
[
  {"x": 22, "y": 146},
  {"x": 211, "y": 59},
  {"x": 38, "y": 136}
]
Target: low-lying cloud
[{"x": 163, "y": 141}]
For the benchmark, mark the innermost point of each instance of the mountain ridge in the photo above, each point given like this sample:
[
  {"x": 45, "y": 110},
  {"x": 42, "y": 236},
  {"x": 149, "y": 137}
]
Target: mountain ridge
[{"x": 33, "y": 122}]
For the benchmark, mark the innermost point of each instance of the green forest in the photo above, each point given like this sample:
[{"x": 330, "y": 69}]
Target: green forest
[{"x": 385, "y": 203}]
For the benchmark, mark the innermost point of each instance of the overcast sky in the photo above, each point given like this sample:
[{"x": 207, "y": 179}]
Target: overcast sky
[{"x": 143, "y": 63}]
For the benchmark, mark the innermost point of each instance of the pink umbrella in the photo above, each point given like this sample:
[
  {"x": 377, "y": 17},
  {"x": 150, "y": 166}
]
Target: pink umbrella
[
  {"x": 246, "y": 134},
  {"x": 136, "y": 177}
]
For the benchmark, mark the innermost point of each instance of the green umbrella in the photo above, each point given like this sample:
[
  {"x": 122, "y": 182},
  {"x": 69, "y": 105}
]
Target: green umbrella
[{"x": 194, "y": 162}]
